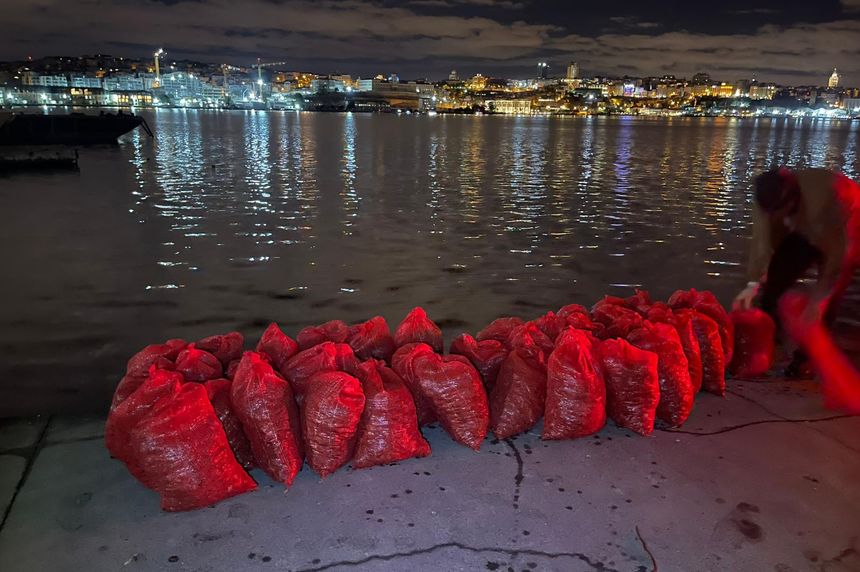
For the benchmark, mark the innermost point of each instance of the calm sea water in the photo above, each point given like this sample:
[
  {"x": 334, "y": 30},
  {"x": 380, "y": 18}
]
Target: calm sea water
[{"x": 230, "y": 220}]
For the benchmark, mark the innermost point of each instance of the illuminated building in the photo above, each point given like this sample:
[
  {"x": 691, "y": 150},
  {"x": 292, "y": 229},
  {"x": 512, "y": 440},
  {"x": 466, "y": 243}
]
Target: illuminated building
[
  {"x": 572, "y": 72},
  {"x": 852, "y": 104},
  {"x": 476, "y": 83},
  {"x": 762, "y": 90},
  {"x": 510, "y": 106},
  {"x": 833, "y": 82},
  {"x": 725, "y": 90},
  {"x": 543, "y": 70},
  {"x": 701, "y": 78},
  {"x": 83, "y": 81},
  {"x": 453, "y": 76}
]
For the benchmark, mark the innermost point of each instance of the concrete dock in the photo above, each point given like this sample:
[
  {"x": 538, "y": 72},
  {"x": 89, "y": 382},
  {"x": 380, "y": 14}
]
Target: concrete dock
[{"x": 763, "y": 479}]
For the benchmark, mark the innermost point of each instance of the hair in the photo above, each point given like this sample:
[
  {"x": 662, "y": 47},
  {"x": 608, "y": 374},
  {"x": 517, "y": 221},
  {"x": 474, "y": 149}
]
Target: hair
[{"x": 776, "y": 189}]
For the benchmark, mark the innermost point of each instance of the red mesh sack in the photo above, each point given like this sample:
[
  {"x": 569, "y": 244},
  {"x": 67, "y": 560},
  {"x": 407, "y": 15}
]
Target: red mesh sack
[
  {"x": 683, "y": 324},
  {"x": 184, "y": 452},
  {"x": 640, "y": 301},
  {"x": 263, "y": 401},
  {"x": 278, "y": 346},
  {"x": 403, "y": 364},
  {"x": 499, "y": 329},
  {"x": 575, "y": 390},
  {"x": 676, "y": 388},
  {"x": 416, "y": 327},
  {"x": 487, "y": 356},
  {"x": 129, "y": 383},
  {"x": 139, "y": 363},
  {"x": 230, "y": 372},
  {"x": 159, "y": 384},
  {"x": 573, "y": 309},
  {"x": 449, "y": 387},
  {"x": 327, "y": 356},
  {"x": 526, "y": 334},
  {"x": 219, "y": 395},
  {"x": 225, "y": 347},
  {"x": 517, "y": 399},
  {"x": 580, "y": 318},
  {"x": 632, "y": 385},
  {"x": 551, "y": 324},
  {"x": 333, "y": 331},
  {"x": 330, "y": 414},
  {"x": 711, "y": 349},
  {"x": 706, "y": 303},
  {"x": 371, "y": 339},
  {"x": 617, "y": 320},
  {"x": 753, "y": 350},
  {"x": 388, "y": 431},
  {"x": 198, "y": 365}
]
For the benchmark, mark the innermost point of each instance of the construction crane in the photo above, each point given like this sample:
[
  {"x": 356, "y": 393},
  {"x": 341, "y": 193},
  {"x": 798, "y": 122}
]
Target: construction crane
[
  {"x": 160, "y": 52},
  {"x": 224, "y": 69},
  {"x": 260, "y": 67}
]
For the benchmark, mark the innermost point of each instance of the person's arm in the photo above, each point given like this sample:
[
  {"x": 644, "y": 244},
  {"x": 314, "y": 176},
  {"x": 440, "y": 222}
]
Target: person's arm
[
  {"x": 840, "y": 381},
  {"x": 761, "y": 248},
  {"x": 760, "y": 251}
]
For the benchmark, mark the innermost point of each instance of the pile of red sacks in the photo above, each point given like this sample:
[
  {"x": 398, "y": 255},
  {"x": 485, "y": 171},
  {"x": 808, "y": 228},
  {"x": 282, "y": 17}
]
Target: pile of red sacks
[{"x": 190, "y": 419}]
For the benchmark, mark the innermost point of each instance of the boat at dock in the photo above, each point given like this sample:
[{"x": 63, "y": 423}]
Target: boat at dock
[{"x": 69, "y": 129}]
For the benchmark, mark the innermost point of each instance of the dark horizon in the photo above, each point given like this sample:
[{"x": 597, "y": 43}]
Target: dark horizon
[{"x": 791, "y": 43}]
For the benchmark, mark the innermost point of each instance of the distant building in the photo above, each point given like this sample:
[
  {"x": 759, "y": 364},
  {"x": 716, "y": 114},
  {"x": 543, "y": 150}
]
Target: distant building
[
  {"x": 328, "y": 84},
  {"x": 833, "y": 82},
  {"x": 453, "y": 76},
  {"x": 725, "y": 90},
  {"x": 543, "y": 70},
  {"x": 761, "y": 90},
  {"x": 85, "y": 81},
  {"x": 701, "y": 78},
  {"x": 34, "y": 79},
  {"x": 851, "y": 104},
  {"x": 123, "y": 83},
  {"x": 477, "y": 83},
  {"x": 510, "y": 106},
  {"x": 412, "y": 95},
  {"x": 572, "y": 72}
]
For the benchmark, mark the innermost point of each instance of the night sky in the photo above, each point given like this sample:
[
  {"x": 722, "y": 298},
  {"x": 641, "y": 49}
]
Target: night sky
[{"x": 789, "y": 41}]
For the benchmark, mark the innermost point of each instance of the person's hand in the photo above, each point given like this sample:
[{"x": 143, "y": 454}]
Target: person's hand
[{"x": 744, "y": 300}]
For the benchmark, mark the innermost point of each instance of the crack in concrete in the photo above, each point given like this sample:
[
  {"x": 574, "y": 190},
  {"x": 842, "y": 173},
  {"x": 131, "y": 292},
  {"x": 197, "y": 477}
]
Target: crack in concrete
[
  {"x": 518, "y": 478},
  {"x": 646, "y": 549},
  {"x": 731, "y": 428},
  {"x": 512, "y": 552},
  {"x": 783, "y": 417},
  {"x": 31, "y": 459}
]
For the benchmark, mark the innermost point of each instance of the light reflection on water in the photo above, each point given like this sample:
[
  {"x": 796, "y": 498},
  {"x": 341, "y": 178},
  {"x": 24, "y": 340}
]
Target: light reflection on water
[{"x": 227, "y": 220}]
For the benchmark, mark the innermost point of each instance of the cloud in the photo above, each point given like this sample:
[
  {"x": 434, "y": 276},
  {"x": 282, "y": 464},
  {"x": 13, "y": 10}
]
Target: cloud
[
  {"x": 785, "y": 53},
  {"x": 505, "y": 4},
  {"x": 369, "y": 37}
]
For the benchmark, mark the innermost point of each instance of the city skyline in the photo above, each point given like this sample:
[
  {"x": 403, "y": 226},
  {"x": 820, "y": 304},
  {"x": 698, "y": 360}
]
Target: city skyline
[{"x": 790, "y": 43}]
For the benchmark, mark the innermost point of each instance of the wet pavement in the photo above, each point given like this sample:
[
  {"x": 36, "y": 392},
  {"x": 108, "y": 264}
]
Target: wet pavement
[{"x": 763, "y": 479}]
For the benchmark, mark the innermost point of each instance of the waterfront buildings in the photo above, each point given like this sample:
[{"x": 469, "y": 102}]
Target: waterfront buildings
[{"x": 108, "y": 81}]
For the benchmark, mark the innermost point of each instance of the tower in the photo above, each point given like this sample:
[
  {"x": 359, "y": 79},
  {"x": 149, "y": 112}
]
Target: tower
[
  {"x": 833, "y": 82},
  {"x": 543, "y": 70},
  {"x": 572, "y": 71}
]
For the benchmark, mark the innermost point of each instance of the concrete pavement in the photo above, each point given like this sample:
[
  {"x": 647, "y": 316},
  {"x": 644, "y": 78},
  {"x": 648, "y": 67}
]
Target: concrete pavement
[{"x": 764, "y": 479}]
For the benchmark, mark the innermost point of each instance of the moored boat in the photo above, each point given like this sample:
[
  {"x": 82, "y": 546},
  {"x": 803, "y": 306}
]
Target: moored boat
[{"x": 70, "y": 129}]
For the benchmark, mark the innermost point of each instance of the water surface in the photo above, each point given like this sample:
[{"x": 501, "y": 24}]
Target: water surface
[{"x": 230, "y": 220}]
